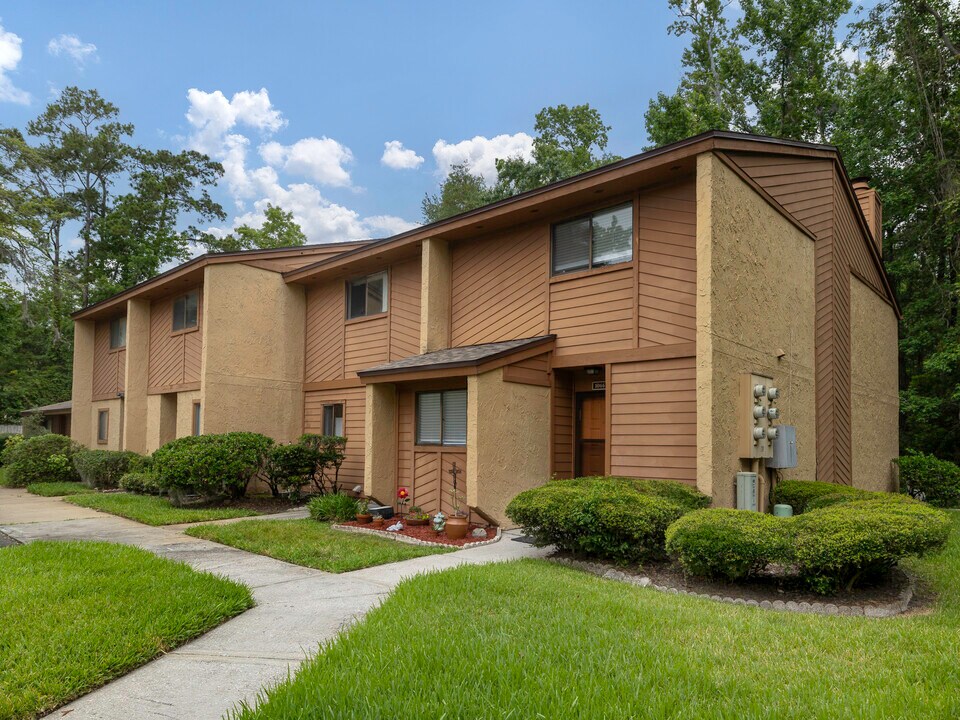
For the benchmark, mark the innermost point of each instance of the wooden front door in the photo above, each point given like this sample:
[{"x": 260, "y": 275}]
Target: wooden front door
[{"x": 591, "y": 433}]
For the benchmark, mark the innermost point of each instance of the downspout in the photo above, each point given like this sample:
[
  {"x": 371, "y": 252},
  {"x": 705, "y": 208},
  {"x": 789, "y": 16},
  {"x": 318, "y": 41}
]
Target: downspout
[{"x": 122, "y": 398}]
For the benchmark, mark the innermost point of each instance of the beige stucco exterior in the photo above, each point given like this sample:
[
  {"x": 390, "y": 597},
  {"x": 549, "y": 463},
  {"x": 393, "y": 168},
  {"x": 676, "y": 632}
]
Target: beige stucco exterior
[
  {"x": 137, "y": 375},
  {"x": 161, "y": 425},
  {"x": 380, "y": 442},
  {"x": 873, "y": 387},
  {"x": 435, "y": 295},
  {"x": 114, "y": 438},
  {"x": 508, "y": 441},
  {"x": 253, "y": 346},
  {"x": 755, "y": 297},
  {"x": 81, "y": 428}
]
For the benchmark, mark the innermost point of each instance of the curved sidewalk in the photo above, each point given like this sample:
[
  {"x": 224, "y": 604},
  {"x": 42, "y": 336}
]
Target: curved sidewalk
[{"x": 297, "y": 608}]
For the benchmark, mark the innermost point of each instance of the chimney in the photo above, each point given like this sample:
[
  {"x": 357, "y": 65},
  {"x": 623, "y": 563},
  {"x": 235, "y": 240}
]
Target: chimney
[{"x": 871, "y": 207}]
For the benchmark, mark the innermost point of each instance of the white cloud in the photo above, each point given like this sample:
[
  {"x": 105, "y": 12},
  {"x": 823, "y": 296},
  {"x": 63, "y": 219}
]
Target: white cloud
[
  {"x": 389, "y": 224},
  {"x": 481, "y": 153},
  {"x": 10, "y": 55},
  {"x": 397, "y": 157},
  {"x": 212, "y": 115},
  {"x": 320, "y": 159},
  {"x": 74, "y": 48}
]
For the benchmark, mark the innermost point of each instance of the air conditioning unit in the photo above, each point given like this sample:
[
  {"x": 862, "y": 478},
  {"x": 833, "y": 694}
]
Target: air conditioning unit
[{"x": 747, "y": 491}]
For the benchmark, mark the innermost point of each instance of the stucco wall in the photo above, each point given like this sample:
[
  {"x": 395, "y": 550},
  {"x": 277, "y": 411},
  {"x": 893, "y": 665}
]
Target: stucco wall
[
  {"x": 435, "y": 279},
  {"x": 185, "y": 401},
  {"x": 508, "y": 441},
  {"x": 755, "y": 296},
  {"x": 380, "y": 442},
  {"x": 137, "y": 375},
  {"x": 253, "y": 349},
  {"x": 874, "y": 406},
  {"x": 81, "y": 429},
  {"x": 113, "y": 424},
  {"x": 161, "y": 425}
]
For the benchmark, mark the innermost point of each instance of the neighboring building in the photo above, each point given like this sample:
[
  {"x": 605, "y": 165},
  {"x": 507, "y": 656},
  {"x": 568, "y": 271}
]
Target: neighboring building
[
  {"x": 56, "y": 417},
  {"x": 603, "y": 324}
]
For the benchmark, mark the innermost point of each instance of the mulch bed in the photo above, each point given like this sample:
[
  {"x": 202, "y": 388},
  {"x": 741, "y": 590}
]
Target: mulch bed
[
  {"x": 426, "y": 533},
  {"x": 264, "y": 504}
]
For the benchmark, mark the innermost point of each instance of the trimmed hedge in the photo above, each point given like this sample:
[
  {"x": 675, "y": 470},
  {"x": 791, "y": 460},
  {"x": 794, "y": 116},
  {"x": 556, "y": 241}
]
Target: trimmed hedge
[
  {"x": 42, "y": 458},
  {"x": 801, "y": 493},
  {"x": 142, "y": 482},
  {"x": 333, "y": 506},
  {"x": 213, "y": 467},
  {"x": 930, "y": 479},
  {"x": 102, "y": 468},
  {"x": 289, "y": 467},
  {"x": 618, "y": 518}
]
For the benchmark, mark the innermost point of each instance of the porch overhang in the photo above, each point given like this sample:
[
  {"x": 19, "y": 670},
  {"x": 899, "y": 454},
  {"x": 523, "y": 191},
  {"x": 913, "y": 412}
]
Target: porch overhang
[{"x": 459, "y": 361}]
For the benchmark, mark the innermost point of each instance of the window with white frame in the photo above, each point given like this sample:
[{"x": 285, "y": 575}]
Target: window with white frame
[
  {"x": 600, "y": 239},
  {"x": 442, "y": 417},
  {"x": 367, "y": 295}
]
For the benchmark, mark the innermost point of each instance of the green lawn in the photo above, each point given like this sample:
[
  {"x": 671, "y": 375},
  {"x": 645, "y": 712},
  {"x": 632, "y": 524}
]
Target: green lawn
[
  {"x": 77, "y": 614},
  {"x": 311, "y": 543},
  {"x": 532, "y": 639},
  {"x": 58, "y": 489},
  {"x": 153, "y": 510}
]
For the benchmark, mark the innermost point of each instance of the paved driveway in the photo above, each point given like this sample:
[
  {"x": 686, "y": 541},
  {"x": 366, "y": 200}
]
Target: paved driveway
[{"x": 297, "y": 608}]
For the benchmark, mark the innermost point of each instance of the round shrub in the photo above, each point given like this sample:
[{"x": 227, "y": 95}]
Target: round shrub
[
  {"x": 211, "y": 467},
  {"x": 102, "y": 468},
  {"x": 13, "y": 441},
  {"x": 144, "y": 483},
  {"x": 835, "y": 547},
  {"x": 732, "y": 544},
  {"x": 800, "y": 493},
  {"x": 333, "y": 506},
  {"x": 289, "y": 468},
  {"x": 42, "y": 458},
  {"x": 617, "y": 518},
  {"x": 930, "y": 479}
]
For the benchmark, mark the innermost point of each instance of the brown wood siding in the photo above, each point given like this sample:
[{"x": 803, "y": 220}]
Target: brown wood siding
[
  {"x": 562, "y": 424},
  {"x": 667, "y": 265},
  {"x": 594, "y": 312},
  {"x": 324, "y": 332},
  {"x": 175, "y": 358},
  {"x": 405, "y": 438},
  {"x": 653, "y": 419},
  {"x": 499, "y": 290},
  {"x": 354, "y": 407},
  {"x": 109, "y": 367},
  {"x": 432, "y": 482},
  {"x": 404, "y": 304},
  {"x": 532, "y": 371},
  {"x": 366, "y": 343}
]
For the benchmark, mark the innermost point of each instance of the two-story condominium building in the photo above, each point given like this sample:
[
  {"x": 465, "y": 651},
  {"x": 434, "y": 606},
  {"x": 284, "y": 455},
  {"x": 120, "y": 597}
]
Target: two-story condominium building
[{"x": 605, "y": 324}]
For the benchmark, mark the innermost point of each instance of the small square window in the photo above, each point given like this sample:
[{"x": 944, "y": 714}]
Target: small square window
[
  {"x": 185, "y": 311},
  {"x": 442, "y": 418},
  {"x": 367, "y": 295},
  {"x": 333, "y": 420},
  {"x": 118, "y": 333},
  {"x": 103, "y": 425}
]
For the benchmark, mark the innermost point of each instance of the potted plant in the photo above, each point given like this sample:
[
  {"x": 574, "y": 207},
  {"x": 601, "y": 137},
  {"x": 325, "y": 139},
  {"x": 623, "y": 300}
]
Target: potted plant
[
  {"x": 417, "y": 516},
  {"x": 363, "y": 511},
  {"x": 457, "y": 524},
  {"x": 378, "y": 521}
]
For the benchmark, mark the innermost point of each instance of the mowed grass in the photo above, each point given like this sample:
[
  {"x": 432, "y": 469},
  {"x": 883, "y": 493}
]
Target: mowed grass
[
  {"x": 77, "y": 614},
  {"x": 59, "y": 489},
  {"x": 311, "y": 543},
  {"x": 532, "y": 639},
  {"x": 153, "y": 510}
]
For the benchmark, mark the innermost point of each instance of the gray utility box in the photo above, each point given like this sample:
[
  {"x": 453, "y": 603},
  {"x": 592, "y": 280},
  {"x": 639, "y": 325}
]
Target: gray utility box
[
  {"x": 784, "y": 448},
  {"x": 746, "y": 491}
]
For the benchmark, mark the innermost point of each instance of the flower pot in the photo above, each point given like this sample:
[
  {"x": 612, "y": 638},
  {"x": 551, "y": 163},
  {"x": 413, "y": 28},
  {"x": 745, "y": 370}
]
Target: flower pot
[
  {"x": 378, "y": 521},
  {"x": 414, "y": 522},
  {"x": 364, "y": 518},
  {"x": 457, "y": 527}
]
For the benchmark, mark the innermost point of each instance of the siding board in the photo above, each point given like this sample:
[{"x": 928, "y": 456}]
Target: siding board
[{"x": 354, "y": 407}]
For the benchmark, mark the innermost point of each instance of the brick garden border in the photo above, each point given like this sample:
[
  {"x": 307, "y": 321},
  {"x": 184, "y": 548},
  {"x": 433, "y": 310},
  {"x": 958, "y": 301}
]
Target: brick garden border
[
  {"x": 609, "y": 572},
  {"x": 415, "y": 541}
]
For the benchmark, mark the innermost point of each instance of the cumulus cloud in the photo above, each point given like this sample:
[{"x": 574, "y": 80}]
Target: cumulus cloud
[
  {"x": 320, "y": 159},
  {"x": 397, "y": 157},
  {"x": 10, "y": 55},
  {"x": 74, "y": 48},
  {"x": 481, "y": 153},
  {"x": 388, "y": 225}
]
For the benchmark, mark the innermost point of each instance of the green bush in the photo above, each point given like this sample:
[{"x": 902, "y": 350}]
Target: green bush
[
  {"x": 213, "y": 467},
  {"x": 835, "y": 547},
  {"x": 12, "y": 442},
  {"x": 144, "y": 483},
  {"x": 733, "y": 544},
  {"x": 4, "y": 438},
  {"x": 102, "y": 468},
  {"x": 333, "y": 506},
  {"x": 618, "y": 518},
  {"x": 289, "y": 468},
  {"x": 930, "y": 479},
  {"x": 330, "y": 452},
  {"x": 800, "y": 493},
  {"x": 42, "y": 458}
]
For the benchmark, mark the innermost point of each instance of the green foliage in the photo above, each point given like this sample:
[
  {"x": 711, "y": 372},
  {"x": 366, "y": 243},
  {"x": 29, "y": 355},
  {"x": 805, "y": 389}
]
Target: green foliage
[
  {"x": 144, "y": 483},
  {"x": 58, "y": 489},
  {"x": 279, "y": 230},
  {"x": 102, "y": 468},
  {"x": 617, "y": 518},
  {"x": 289, "y": 468},
  {"x": 461, "y": 191},
  {"x": 333, "y": 506},
  {"x": 11, "y": 443},
  {"x": 800, "y": 493},
  {"x": 43, "y": 458},
  {"x": 926, "y": 478},
  {"x": 214, "y": 467},
  {"x": 330, "y": 453},
  {"x": 34, "y": 424},
  {"x": 153, "y": 510}
]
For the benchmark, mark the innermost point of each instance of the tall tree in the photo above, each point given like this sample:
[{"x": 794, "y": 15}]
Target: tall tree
[
  {"x": 460, "y": 192},
  {"x": 279, "y": 229}
]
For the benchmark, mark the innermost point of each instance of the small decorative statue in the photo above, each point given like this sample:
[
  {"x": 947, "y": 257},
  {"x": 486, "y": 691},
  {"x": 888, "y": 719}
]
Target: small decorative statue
[{"x": 439, "y": 522}]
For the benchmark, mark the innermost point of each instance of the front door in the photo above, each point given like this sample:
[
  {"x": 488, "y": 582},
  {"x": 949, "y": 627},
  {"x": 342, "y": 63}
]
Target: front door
[{"x": 591, "y": 433}]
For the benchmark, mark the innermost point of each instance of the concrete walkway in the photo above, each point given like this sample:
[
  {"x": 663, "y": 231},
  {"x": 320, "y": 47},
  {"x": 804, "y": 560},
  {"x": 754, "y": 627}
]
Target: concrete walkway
[{"x": 297, "y": 608}]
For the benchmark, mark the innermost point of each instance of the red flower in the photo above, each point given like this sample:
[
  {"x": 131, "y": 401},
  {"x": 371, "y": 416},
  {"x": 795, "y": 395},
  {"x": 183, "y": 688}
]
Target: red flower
[{"x": 402, "y": 493}]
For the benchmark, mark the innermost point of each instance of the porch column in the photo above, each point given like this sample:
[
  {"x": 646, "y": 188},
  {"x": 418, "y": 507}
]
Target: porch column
[
  {"x": 435, "y": 288},
  {"x": 380, "y": 442},
  {"x": 136, "y": 377},
  {"x": 81, "y": 420}
]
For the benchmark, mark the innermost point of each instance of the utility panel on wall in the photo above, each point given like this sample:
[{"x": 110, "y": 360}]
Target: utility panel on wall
[{"x": 757, "y": 414}]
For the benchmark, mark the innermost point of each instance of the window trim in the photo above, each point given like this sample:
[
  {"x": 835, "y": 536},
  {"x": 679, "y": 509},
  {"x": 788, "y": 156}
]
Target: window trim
[
  {"x": 106, "y": 428},
  {"x": 416, "y": 418},
  {"x": 343, "y": 417},
  {"x": 591, "y": 268},
  {"x": 195, "y": 418},
  {"x": 173, "y": 304},
  {"x": 118, "y": 348},
  {"x": 365, "y": 278}
]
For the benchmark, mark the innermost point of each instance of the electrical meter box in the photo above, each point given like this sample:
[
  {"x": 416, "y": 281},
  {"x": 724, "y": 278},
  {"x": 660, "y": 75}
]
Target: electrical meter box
[
  {"x": 757, "y": 414},
  {"x": 746, "y": 491},
  {"x": 784, "y": 448}
]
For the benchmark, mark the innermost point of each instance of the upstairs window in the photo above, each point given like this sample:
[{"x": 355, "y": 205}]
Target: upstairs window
[
  {"x": 185, "y": 311},
  {"x": 367, "y": 295},
  {"x": 333, "y": 419},
  {"x": 118, "y": 333},
  {"x": 603, "y": 238},
  {"x": 442, "y": 418}
]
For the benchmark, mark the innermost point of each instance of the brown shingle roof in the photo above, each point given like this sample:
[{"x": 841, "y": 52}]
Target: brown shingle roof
[
  {"x": 60, "y": 408},
  {"x": 467, "y": 356}
]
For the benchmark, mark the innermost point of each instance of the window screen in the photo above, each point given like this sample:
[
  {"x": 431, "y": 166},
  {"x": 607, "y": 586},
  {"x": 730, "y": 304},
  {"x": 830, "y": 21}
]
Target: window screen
[
  {"x": 442, "y": 418},
  {"x": 118, "y": 333},
  {"x": 103, "y": 425},
  {"x": 604, "y": 238},
  {"x": 185, "y": 311},
  {"x": 367, "y": 295},
  {"x": 333, "y": 419}
]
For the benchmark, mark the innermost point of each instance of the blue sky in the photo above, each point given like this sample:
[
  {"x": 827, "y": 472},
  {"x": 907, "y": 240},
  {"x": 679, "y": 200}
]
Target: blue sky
[{"x": 298, "y": 99}]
